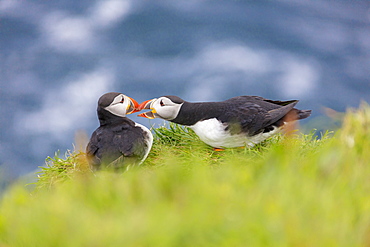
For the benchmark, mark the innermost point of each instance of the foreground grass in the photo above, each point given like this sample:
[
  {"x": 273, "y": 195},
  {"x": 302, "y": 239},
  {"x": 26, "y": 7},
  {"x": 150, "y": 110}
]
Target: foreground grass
[{"x": 287, "y": 191}]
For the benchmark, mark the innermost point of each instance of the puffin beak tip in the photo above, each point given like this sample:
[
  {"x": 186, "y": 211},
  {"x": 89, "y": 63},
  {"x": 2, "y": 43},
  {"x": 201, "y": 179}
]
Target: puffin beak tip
[
  {"x": 145, "y": 105},
  {"x": 149, "y": 115},
  {"x": 133, "y": 106}
]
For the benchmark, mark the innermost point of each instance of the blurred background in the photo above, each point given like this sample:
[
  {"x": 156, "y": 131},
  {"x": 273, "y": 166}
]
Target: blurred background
[{"x": 58, "y": 57}]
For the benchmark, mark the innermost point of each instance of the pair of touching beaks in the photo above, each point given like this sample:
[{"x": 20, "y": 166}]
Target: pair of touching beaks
[{"x": 136, "y": 107}]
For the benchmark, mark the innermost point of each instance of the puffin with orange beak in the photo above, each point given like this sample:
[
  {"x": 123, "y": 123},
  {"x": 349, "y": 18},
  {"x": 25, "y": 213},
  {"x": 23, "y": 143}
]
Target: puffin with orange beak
[
  {"x": 236, "y": 122},
  {"x": 118, "y": 142}
]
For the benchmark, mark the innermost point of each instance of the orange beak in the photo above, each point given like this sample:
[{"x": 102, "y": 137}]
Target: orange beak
[
  {"x": 147, "y": 105},
  {"x": 132, "y": 107}
]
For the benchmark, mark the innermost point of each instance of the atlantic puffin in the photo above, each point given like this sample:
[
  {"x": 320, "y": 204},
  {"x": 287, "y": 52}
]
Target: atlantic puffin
[
  {"x": 236, "y": 122},
  {"x": 118, "y": 142}
]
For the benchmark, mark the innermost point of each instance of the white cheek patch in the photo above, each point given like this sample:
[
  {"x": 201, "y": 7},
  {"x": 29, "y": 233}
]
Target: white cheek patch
[
  {"x": 168, "y": 112},
  {"x": 117, "y": 109}
]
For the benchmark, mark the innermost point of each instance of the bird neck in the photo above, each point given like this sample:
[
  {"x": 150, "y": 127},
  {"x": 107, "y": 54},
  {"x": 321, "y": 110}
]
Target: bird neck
[{"x": 105, "y": 118}]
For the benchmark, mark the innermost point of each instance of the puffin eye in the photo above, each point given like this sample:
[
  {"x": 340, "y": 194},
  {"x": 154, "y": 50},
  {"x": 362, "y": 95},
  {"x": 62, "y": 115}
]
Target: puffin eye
[
  {"x": 122, "y": 100},
  {"x": 161, "y": 103}
]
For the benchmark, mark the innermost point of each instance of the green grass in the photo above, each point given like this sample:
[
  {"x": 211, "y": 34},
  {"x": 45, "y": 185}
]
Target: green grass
[{"x": 294, "y": 190}]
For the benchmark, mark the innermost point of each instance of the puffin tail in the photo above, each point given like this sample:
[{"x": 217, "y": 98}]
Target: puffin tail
[
  {"x": 302, "y": 114},
  {"x": 282, "y": 112},
  {"x": 287, "y": 113}
]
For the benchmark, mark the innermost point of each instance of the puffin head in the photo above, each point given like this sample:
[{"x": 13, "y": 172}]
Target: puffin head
[
  {"x": 165, "y": 107},
  {"x": 117, "y": 104}
]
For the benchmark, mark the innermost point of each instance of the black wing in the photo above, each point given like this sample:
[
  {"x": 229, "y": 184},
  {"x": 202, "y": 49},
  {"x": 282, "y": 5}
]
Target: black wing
[
  {"x": 253, "y": 114},
  {"x": 115, "y": 146},
  {"x": 265, "y": 103},
  {"x": 92, "y": 150},
  {"x": 131, "y": 145}
]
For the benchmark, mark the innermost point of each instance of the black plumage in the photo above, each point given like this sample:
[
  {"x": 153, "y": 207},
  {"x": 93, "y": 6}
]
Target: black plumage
[
  {"x": 249, "y": 114},
  {"x": 118, "y": 142},
  {"x": 239, "y": 121}
]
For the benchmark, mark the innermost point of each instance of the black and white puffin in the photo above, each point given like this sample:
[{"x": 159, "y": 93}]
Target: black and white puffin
[
  {"x": 118, "y": 142},
  {"x": 236, "y": 122}
]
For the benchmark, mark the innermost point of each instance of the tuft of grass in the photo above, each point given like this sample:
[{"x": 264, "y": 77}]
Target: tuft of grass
[
  {"x": 58, "y": 170},
  {"x": 291, "y": 190}
]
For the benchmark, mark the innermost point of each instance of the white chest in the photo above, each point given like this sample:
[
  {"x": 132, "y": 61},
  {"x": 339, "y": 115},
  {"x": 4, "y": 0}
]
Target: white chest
[
  {"x": 213, "y": 132},
  {"x": 149, "y": 140}
]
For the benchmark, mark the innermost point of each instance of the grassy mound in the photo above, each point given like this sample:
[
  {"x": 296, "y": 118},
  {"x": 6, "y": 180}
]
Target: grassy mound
[{"x": 292, "y": 190}]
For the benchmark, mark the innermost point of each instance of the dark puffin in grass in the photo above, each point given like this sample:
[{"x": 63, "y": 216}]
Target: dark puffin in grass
[
  {"x": 118, "y": 142},
  {"x": 236, "y": 122}
]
